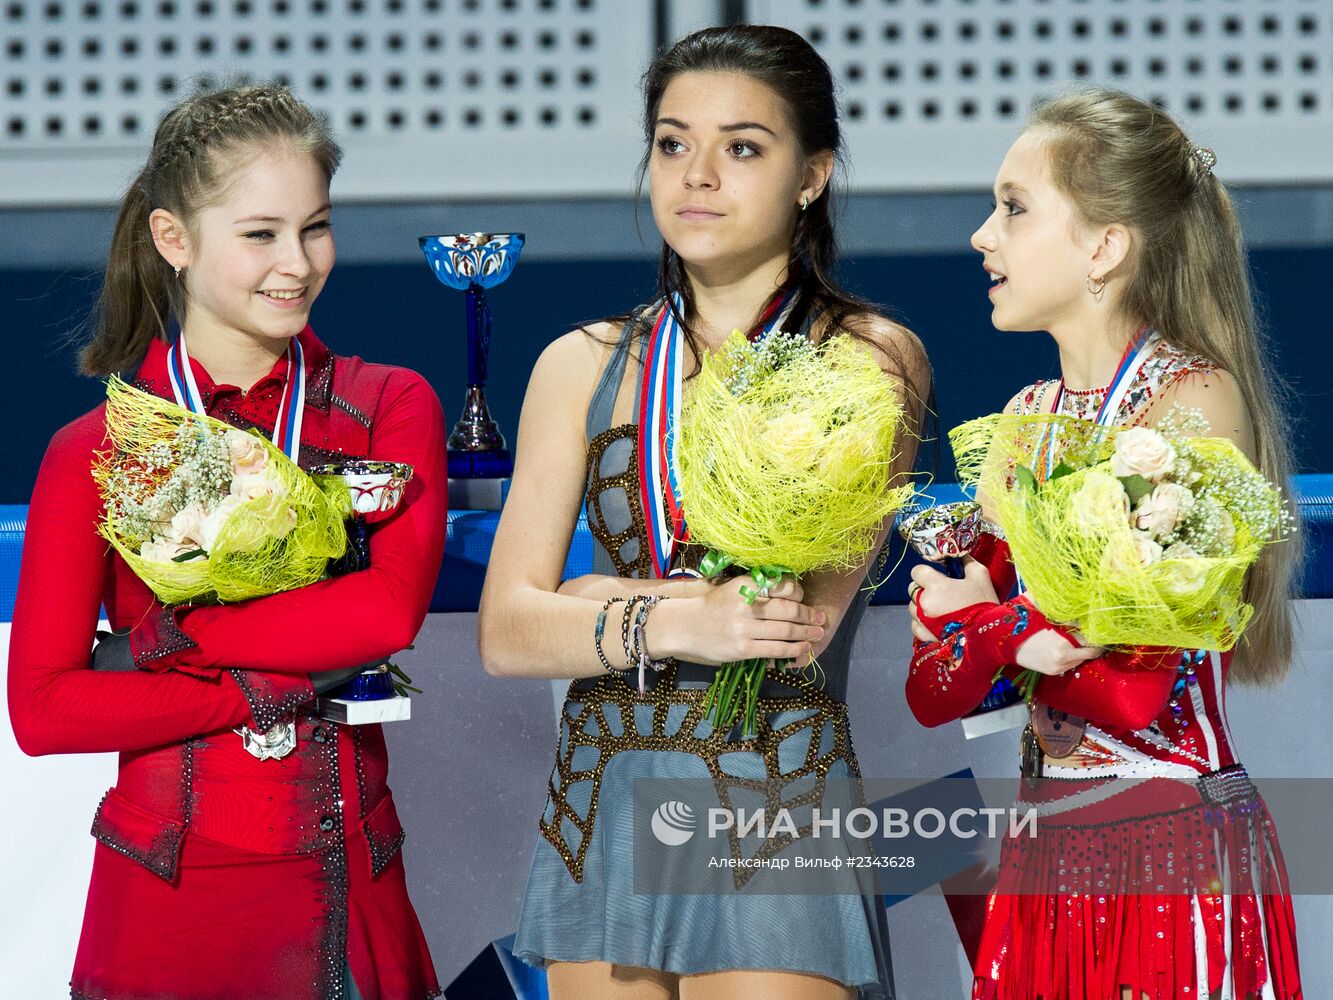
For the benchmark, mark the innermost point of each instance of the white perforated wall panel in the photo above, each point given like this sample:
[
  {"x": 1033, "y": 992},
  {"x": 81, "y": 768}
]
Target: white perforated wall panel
[
  {"x": 431, "y": 98},
  {"x": 933, "y": 91},
  {"x": 538, "y": 98}
]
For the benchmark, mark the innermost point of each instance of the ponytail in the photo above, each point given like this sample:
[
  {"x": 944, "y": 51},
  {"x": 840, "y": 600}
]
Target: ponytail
[{"x": 137, "y": 291}]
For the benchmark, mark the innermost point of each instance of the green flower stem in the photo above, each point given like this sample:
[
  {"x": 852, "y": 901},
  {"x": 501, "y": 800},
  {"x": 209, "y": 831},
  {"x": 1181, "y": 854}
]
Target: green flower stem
[
  {"x": 736, "y": 686},
  {"x": 736, "y": 690},
  {"x": 1026, "y": 683},
  {"x": 402, "y": 683}
]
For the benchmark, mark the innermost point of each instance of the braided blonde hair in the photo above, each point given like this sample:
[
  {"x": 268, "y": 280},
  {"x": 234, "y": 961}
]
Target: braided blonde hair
[{"x": 196, "y": 144}]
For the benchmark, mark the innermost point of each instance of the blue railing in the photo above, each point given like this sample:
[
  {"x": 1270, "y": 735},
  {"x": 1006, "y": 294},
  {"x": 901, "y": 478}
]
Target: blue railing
[{"x": 471, "y": 533}]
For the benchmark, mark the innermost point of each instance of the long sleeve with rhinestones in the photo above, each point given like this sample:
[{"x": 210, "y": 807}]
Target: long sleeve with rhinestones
[
  {"x": 949, "y": 677},
  {"x": 350, "y": 620},
  {"x": 57, "y": 704}
]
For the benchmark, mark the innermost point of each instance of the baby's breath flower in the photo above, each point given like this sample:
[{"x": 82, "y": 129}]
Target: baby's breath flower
[{"x": 747, "y": 366}]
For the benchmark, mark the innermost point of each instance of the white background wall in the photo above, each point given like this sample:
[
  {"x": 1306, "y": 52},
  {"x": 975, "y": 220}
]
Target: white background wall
[
  {"x": 539, "y": 98},
  {"x": 469, "y": 774}
]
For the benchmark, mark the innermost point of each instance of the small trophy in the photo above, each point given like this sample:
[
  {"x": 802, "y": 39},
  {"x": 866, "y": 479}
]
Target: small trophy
[
  {"x": 944, "y": 534},
  {"x": 472, "y": 263},
  {"x": 376, "y": 489}
]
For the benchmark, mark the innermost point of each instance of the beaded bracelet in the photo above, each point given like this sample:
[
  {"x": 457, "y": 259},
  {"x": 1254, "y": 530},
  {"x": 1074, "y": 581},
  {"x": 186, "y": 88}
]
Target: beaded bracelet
[
  {"x": 639, "y": 651},
  {"x": 636, "y": 652},
  {"x": 625, "y": 625},
  {"x": 600, "y": 630}
]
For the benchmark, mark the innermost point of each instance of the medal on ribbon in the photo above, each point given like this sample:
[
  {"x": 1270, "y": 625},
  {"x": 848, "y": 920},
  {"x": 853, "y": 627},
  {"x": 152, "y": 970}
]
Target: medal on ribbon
[
  {"x": 280, "y": 738},
  {"x": 660, "y": 394},
  {"x": 1059, "y": 733}
]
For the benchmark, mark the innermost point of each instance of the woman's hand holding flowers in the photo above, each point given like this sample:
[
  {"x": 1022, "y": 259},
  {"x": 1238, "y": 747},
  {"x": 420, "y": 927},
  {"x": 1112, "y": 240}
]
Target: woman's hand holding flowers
[
  {"x": 1053, "y": 653},
  {"x": 721, "y": 627}
]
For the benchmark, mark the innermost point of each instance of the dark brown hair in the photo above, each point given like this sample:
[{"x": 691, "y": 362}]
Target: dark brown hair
[
  {"x": 194, "y": 144},
  {"x": 789, "y": 66}
]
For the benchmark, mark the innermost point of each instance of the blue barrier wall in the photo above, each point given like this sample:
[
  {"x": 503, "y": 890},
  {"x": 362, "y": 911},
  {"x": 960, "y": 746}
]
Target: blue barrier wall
[
  {"x": 472, "y": 532},
  {"x": 396, "y": 312}
]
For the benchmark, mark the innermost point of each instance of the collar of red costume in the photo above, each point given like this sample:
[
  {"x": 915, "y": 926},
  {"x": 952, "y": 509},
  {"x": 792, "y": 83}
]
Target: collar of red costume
[{"x": 151, "y": 375}]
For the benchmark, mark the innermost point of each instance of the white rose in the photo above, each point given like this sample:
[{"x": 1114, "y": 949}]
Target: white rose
[
  {"x": 253, "y": 487},
  {"x": 246, "y": 452},
  {"x": 1146, "y": 549},
  {"x": 1180, "y": 550},
  {"x": 794, "y": 440},
  {"x": 264, "y": 522},
  {"x": 1160, "y": 511},
  {"x": 1130, "y": 554},
  {"x": 1141, "y": 451},
  {"x": 1187, "y": 572},
  {"x": 216, "y": 518},
  {"x": 849, "y": 450},
  {"x": 186, "y": 526},
  {"x": 1101, "y": 504},
  {"x": 284, "y": 522}
]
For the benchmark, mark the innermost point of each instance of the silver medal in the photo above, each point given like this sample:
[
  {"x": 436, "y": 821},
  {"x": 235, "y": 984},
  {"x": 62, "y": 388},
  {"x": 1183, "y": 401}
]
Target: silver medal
[{"x": 276, "y": 743}]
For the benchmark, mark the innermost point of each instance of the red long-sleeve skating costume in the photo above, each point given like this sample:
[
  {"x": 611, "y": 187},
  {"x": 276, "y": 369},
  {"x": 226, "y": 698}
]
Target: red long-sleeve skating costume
[{"x": 217, "y": 875}]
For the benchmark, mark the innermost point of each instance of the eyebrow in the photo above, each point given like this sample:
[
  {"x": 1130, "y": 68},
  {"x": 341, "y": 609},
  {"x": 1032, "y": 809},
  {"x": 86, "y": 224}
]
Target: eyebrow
[
  {"x": 1010, "y": 187},
  {"x": 733, "y": 127},
  {"x": 272, "y": 218}
]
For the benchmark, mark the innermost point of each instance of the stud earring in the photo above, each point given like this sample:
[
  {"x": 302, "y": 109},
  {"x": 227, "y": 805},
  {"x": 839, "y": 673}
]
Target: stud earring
[
  {"x": 177, "y": 269},
  {"x": 805, "y": 202}
]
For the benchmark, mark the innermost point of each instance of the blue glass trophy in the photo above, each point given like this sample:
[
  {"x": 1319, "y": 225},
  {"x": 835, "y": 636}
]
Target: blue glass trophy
[{"x": 472, "y": 263}]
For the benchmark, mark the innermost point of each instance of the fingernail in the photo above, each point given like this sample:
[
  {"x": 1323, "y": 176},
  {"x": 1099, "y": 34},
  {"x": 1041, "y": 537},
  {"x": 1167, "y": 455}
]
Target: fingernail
[{"x": 820, "y": 618}]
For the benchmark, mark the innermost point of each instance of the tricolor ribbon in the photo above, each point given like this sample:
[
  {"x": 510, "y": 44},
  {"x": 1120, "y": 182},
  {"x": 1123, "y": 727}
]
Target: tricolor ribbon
[
  {"x": 291, "y": 408},
  {"x": 659, "y": 414},
  {"x": 1136, "y": 353},
  {"x": 280, "y": 739}
]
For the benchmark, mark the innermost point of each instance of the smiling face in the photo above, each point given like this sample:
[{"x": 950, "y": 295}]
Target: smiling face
[
  {"x": 1033, "y": 247},
  {"x": 726, "y": 174},
  {"x": 258, "y": 255}
]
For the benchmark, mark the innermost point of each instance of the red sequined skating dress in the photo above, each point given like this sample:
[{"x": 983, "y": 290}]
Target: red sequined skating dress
[{"x": 1156, "y": 866}]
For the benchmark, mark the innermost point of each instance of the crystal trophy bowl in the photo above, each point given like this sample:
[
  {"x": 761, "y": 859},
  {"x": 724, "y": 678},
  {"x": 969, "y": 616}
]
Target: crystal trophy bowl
[
  {"x": 947, "y": 531},
  {"x": 376, "y": 490}
]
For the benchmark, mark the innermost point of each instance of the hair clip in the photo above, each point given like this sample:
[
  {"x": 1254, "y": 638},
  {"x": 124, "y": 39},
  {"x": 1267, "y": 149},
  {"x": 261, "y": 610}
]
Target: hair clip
[{"x": 1205, "y": 156}]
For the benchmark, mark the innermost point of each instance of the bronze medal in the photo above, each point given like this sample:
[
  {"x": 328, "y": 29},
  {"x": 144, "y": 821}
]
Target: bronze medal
[{"x": 1059, "y": 733}]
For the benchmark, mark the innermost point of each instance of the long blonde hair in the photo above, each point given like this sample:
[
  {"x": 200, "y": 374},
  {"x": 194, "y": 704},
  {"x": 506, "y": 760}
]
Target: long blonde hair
[{"x": 1121, "y": 160}]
